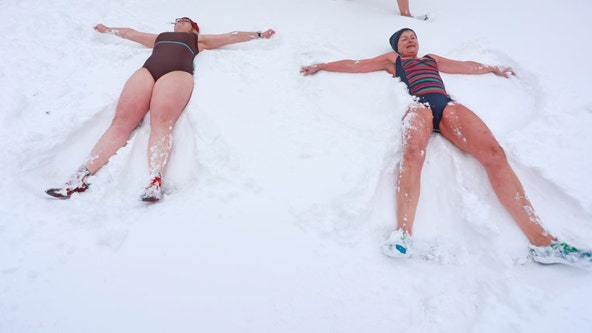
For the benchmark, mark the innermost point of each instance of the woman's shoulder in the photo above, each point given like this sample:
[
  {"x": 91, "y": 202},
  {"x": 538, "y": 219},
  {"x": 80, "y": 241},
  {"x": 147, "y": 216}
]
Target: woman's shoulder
[{"x": 390, "y": 56}]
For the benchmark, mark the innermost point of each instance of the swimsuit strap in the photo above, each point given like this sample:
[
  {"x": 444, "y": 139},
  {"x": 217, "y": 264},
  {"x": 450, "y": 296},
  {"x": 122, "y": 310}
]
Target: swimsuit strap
[{"x": 400, "y": 71}]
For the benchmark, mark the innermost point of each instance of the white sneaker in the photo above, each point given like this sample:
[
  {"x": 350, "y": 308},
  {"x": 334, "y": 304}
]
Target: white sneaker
[
  {"x": 398, "y": 245},
  {"x": 561, "y": 253}
]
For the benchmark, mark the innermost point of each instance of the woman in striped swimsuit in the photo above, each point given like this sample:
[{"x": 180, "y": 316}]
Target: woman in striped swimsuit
[
  {"x": 434, "y": 111},
  {"x": 164, "y": 86}
]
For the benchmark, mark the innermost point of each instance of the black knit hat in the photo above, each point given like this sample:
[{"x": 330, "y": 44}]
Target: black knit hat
[{"x": 394, "y": 40}]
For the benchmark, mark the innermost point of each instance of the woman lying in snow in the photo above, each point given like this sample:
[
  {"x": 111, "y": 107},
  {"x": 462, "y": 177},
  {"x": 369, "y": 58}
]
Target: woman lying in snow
[
  {"x": 164, "y": 86},
  {"x": 434, "y": 111}
]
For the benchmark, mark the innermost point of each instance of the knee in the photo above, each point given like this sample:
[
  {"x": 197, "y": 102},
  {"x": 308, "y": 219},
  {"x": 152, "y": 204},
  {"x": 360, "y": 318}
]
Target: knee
[
  {"x": 495, "y": 157},
  {"x": 123, "y": 125},
  {"x": 414, "y": 154},
  {"x": 161, "y": 123},
  {"x": 164, "y": 115}
]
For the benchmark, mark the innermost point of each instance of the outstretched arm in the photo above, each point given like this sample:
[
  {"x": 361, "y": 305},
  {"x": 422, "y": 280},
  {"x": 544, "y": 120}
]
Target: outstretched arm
[
  {"x": 143, "y": 38},
  {"x": 210, "y": 42},
  {"x": 384, "y": 62},
  {"x": 470, "y": 67}
]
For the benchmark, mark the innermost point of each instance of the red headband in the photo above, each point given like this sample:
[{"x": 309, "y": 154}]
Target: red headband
[{"x": 195, "y": 26}]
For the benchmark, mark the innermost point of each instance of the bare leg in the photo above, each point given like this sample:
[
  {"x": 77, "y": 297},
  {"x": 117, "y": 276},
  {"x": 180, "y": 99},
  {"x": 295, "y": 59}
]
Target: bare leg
[
  {"x": 468, "y": 132},
  {"x": 169, "y": 98},
  {"x": 404, "y": 7},
  {"x": 417, "y": 127},
  {"x": 131, "y": 108}
]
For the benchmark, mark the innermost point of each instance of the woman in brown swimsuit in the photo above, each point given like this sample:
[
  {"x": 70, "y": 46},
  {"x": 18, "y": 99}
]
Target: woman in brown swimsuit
[{"x": 164, "y": 86}]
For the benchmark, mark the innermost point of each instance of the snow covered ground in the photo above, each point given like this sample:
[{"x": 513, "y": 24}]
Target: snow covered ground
[{"x": 280, "y": 188}]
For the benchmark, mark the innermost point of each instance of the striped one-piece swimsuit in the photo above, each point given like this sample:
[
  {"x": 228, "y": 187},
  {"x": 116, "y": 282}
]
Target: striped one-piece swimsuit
[{"x": 423, "y": 80}]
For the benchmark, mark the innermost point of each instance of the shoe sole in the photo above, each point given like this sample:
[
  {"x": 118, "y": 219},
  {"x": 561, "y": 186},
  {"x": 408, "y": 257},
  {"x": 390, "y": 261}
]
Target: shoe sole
[
  {"x": 150, "y": 199},
  {"x": 54, "y": 192},
  {"x": 579, "y": 262}
]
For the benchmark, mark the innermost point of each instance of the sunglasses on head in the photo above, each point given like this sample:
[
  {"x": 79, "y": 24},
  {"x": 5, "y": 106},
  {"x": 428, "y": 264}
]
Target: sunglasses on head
[{"x": 188, "y": 20}]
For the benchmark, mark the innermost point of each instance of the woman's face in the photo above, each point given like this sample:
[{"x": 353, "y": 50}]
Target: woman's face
[
  {"x": 183, "y": 25},
  {"x": 408, "y": 44}
]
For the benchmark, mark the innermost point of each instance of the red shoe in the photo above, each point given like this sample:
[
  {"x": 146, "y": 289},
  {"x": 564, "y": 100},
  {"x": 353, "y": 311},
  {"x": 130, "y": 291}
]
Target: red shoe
[
  {"x": 153, "y": 192},
  {"x": 77, "y": 183}
]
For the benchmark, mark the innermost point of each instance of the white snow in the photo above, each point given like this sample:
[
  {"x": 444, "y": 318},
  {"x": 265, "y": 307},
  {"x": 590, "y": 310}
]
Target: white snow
[{"x": 280, "y": 186}]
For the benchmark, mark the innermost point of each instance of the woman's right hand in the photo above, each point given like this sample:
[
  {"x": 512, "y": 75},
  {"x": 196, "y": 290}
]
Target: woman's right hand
[
  {"x": 101, "y": 28},
  {"x": 309, "y": 70}
]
